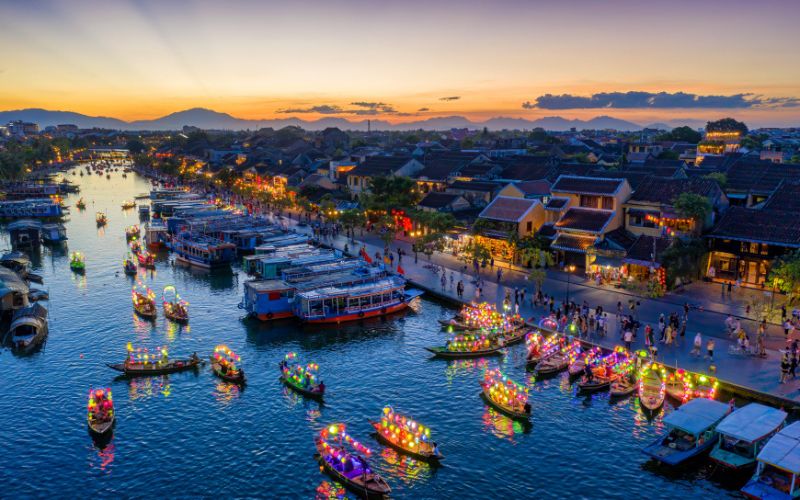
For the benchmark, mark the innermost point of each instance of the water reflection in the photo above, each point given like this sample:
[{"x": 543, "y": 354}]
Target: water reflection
[
  {"x": 226, "y": 392},
  {"x": 103, "y": 459},
  {"x": 501, "y": 426},
  {"x": 462, "y": 367},
  {"x": 143, "y": 388},
  {"x": 330, "y": 491},
  {"x": 404, "y": 467}
]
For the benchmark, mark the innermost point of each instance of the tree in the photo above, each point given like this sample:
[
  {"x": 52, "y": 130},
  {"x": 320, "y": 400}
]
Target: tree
[
  {"x": 720, "y": 177},
  {"x": 668, "y": 155},
  {"x": 785, "y": 274},
  {"x": 475, "y": 251},
  {"x": 135, "y": 146},
  {"x": 681, "y": 134},
  {"x": 684, "y": 259},
  {"x": 351, "y": 219},
  {"x": 432, "y": 242},
  {"x": 391, "y": 192},
  {"x": 692, "y": 206},
  {"x": 726, "y": 125}
]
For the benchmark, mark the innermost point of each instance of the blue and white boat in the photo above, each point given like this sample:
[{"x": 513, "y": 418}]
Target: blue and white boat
[
  {"x": 203, "y": 251},
  {"x": 776, "y": 476},
  {"x": 41, "y": 208},
  {"x": 743, "y": 433},
  {"x": 692, "y": 431},
  {"x": 54, "y": 233}
]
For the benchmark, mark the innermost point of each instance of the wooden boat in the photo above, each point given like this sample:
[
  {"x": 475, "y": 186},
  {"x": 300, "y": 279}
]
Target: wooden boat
[
  {"x": 80, "y": 204},
  {"x": 622, "y": 388},
  {"x": 606, "y": 370},
  {"x": 576, "y": 366},
  {"x": 77, "y": 262},
  {"x": 144, "y": 302},
  {"x": 406, "y": 436},
  {"x": 505, "y": 395},
  {"x": 652, "y": 387},
  {"x": 100, "y": 415},
  {"x": 128, "y": 204},
  {"x": 744, "y": 433},
  {"x": 146, "y": 259},
  {"x": 348, "y": 465},
  {"x": 443, "y": 352},
  {"x": 135, "y": 247},
  {"x": 130, "y": 266},
  {"x": 224, "y": 364},
  {"x": 28, "y": 328},
  {"x": 683, "y": 386},
  {"x": 691, "y": 431},
  {"x": 100, "y": 218},
  {"x": 175, "y": 308},
  {"x": 137, "y": 368},
  {"x": 293, "y": 377},
  {"x": 777, "y": 475},
  {"x": 132, "y": 232},
  {"x": 596, "y": 384},
  {"x": 552, "y": 354}
]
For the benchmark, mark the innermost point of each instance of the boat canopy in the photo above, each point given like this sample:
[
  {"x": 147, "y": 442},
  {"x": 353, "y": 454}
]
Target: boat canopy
[
  {"x": 752, "y": 422},
  {"x": 696, "y": 415},
  {"x": 372, "y": 288},
  {"x": 783, "y": 450},
  {"x": 11, "y": 282}
]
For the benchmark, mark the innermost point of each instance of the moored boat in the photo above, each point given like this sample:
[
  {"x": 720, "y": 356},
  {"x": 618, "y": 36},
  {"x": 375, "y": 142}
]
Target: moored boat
[
  {"x": 77, "y": 262},
  {"x": 505, "y": 395},
  {"x": 482, "y": 316},
  {"x": 146, "y": 259},
  {"x": 128, "y": 204},
  {"x": 744, "y": 433},
  {"x": 344, "y": 459},
  {"x": 132, "y": 232},
  {"x": 691, "y": 431},
  {"x": 175, "y": 308},
  {"x": 559, "y": 359},
  {"x": 406, "y": 436},
  {"x": 224, "y": 363},
  {"x": 144, "y": 301},
  {"x": 652, "y": 387},
  {"x": 577, "y": 365},
  {"x": 302, "y": 379},
  {"x": 129, "y": 265},
  {"x": 683, "y": 386},
  {"x": 28, "y": 328},
  {"x": 540, "y": 351},
  {"x": 100, "y": 414},
  {"x": 600, "y": 373},
  {"x": 143, "y": 362},
  {"x": 777, "y": 475}
]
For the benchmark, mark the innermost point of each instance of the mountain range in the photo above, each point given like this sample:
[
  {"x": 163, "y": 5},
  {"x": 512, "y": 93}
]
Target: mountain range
[{"x": 209, "y": 119}]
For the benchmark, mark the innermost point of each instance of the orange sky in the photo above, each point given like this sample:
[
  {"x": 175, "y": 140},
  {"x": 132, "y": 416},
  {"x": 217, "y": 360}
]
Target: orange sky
[{"x": 144, "y": 59}]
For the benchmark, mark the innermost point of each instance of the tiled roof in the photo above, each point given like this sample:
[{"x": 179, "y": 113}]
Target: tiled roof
[
  {"x": 556, "y": 203},
  {"x": 620, "y": 237},
  {"x": 574, "y": 169},
  {"x": 439, "y": 169},
  {"x": 664, "y": 191},
  {"x": 540, "y": 187},
  {"x": 380, "y": 165},
  {"x": 634, "y": 177},
  {"x": 585, "y": 219},
  {"x": 524, "y": 171},
  {"x": 485, "y": 187},
  {"x": 438, "y": 200},
  {"x": 508, "y": 209},
  {"x": 587, "y": 185},
  {"x": 786, "y": 197},
  {"x": 642, "y": 249},
  {"x": 759, "y": 176},
  {"x": 573, "y": 243},
  {"x": 776, "y": 227},
  {"x": 547, "y": 231}
]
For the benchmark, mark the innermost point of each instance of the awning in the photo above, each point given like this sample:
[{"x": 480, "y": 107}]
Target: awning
[
  {"x": 604, "y": 261},
  {"x": 636, "y": 212},
  {"x": 573, "y": 243}
]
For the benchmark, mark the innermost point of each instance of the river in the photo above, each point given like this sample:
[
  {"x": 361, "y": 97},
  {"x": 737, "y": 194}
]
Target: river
[{"x": 191, "y": 435}]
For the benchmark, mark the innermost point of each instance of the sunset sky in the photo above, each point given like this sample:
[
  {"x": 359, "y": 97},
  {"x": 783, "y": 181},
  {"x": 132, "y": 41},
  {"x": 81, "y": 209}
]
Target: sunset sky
[{"x": 401, "y": 61}]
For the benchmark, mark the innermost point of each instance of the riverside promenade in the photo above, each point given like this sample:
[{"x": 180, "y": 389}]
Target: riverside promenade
[{"x": 706, "y": 316}]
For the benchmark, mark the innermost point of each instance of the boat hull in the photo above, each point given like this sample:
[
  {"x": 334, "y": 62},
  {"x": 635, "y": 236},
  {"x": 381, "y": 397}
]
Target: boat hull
[
  {"x": 358, "y": 316},
  {"x": 427, "y": 457},
  {"x": 377, "y": 488},
  {"x": 441, "y": 352},
  {"x": 239, "y": 379},
  {"x": 516, "y": 415},
  {"x": 305, "y": 392},
  {"x": 668, "y": 456},
  {"x": 185, "y": 365}
]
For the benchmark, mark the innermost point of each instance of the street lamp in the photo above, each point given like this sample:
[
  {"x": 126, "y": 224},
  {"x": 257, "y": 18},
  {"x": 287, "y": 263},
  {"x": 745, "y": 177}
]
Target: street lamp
[{"x": 570, "y": 269}]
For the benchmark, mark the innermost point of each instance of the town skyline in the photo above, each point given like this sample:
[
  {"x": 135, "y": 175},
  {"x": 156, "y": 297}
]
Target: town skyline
[{"x": 405, "y": 63}]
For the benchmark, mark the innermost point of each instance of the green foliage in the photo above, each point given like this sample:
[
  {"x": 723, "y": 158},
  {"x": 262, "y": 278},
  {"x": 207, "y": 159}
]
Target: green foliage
[
  {"x": 692, "y": 206},
  {"x": 726, "y": 125},
  {"x": 684, "y": 259},
  {"x": 681, "y": 134},
  {"x": 720, "y": 177},
  {"x": 785, "y": 273},
  {"x": 668, "y": 155},
  {"x": 387, "y": 193},
  {"x": 474, "y": 251},
  {"x": 753, "y": 141},
  {"x": 135, "y": 146}
]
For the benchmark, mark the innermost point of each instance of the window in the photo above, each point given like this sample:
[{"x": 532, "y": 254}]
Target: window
[
  {"x": 608, "y": 203},
  {"x": 588, "y": 201},
  {"x": 764, "y": 249},
  {"x": 529, "y": 226}
]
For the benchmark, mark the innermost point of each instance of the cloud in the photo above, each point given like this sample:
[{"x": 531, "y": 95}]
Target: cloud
[
  {"x": 657, "y": 100},
  {"x": 360, "y": 108},
  {"x": 450, "y": 98},
  {"x": 422, "y": 110}
]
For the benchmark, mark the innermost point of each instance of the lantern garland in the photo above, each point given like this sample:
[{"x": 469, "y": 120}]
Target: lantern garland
[
  {"x": 694, "y": 386},
  {"x": 404, "y": 431},
  {"x": 503, "y": 390},
  {"x": 338, "y": 433},
  {"x": 143, "y": 295},
  {"x": 144, "y": 356},
  {"x": 299, "y": 374},
  {"x": 226, "y": 358},
  {"x": 172, "y": 302},
  {"x": 101, "y": 404},
  {"x": 660, "y": 372},
  {"x": 485, "y": 315}
]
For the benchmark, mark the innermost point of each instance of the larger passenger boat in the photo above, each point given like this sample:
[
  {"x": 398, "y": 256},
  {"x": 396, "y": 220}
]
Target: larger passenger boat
[
  {"x": 336, "y": 304},
  {"x": 203, "y": 251},
  {"x": 38, "y": 208},
  {"x": 744, "y": 433},
  {"x": 778, "y": 467}
]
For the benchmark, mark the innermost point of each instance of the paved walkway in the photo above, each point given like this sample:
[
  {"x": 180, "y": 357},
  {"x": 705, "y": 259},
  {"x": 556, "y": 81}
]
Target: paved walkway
[{"x": 756, "y": 373}]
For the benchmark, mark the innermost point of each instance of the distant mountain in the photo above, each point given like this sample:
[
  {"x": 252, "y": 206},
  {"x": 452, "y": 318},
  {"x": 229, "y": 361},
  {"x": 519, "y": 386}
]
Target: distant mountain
[{"x": 209, "y": 119}]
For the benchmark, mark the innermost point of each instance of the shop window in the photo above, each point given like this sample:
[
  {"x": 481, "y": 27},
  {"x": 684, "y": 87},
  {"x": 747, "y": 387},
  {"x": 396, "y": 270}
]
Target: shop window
[{"x": 764, "y": 249}]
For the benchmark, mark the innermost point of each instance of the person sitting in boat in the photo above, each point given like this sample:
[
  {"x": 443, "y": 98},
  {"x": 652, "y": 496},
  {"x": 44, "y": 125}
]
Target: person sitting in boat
[
  {"x": 282, "y": 365},
  {"x": 321, "y": 386},
  {"x": 587, "y": 372},
  {"x": 527, "y": 407},
  {"x": 307, "y": 380},
  {"x": 194, "y": 357}
]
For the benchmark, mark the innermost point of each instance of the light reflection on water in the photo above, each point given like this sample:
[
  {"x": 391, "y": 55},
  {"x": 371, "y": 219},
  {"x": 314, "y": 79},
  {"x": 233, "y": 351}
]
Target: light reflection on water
[{"x": 172, "y": 427}]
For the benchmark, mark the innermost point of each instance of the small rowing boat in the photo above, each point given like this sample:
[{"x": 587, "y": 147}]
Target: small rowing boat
[
  {"x": 302, "y": 379},
  {"x": 505, "y": 395},
  {"x": 683, "y": 386},
  {"x": 129, "y": 265},
  {"x": 100, "y": 415},
  {"x": 540, "y": 351},
  {"x": 80, "y": 203},
  {"x": 224, "y": 364},
  {"x": 146, "y": 259},
  {"x": 144, "y": 301},
  {"x": 100, "y": 218},
  {"x": 175, "y": 308},
  {"x": 559, "y": 360},
  {"x": 577, "y": 365},
  {"x": 77, "y": 262},
  {"x": 127, "y": 204},
  {"x": 132, "y": 232},
  {"x": 406, "y": 436},
  {"x": 343, "y": 458},
  {"x": 652, "y": 387},
  {"x": 482, "y": 316},
  {"x": 600, "y": 373},
  {"x": 142, "y": 362}
]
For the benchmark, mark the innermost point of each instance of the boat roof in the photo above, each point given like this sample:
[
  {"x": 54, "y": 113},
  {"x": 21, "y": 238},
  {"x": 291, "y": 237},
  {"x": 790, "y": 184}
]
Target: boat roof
[
  {"x": 268, "y": 285},
  {"x": 696, "y": 415},
  {"x": 24, "y": 224},
  {"x": 35, "y": 312},
  {"x": 353, "y": 290},
  {"x": 11, "y": 282},
  {"x": 752, "y": 422},
  {"x": 16, "y": 256},
  {"x": 783, "y": 450}
]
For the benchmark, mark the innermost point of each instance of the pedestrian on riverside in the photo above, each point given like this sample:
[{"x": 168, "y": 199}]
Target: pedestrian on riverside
[
  {"x": 662, "y": 326},
  {"x": 443, "y": 281},
  {"x": 784, "y": 367},
  {"x": 460, "y": 289},
  {"x": 499, "y": 274},
  {"x": 452, "y": 279},
  {"x": 783, "y": 312},
  {"x": 730, "y": 287},
  {"x": 786, "y": 327},
  {"x": 619, "y": 310},
  {"x": 491, "y": 263},
  {"x": 698, "y": 344},
  {"x": 710, "y": 350},
  {"x": 628, "y": 338},
  {"x": 793, "y": 366},
  {"x": 762, "y": 344}
]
